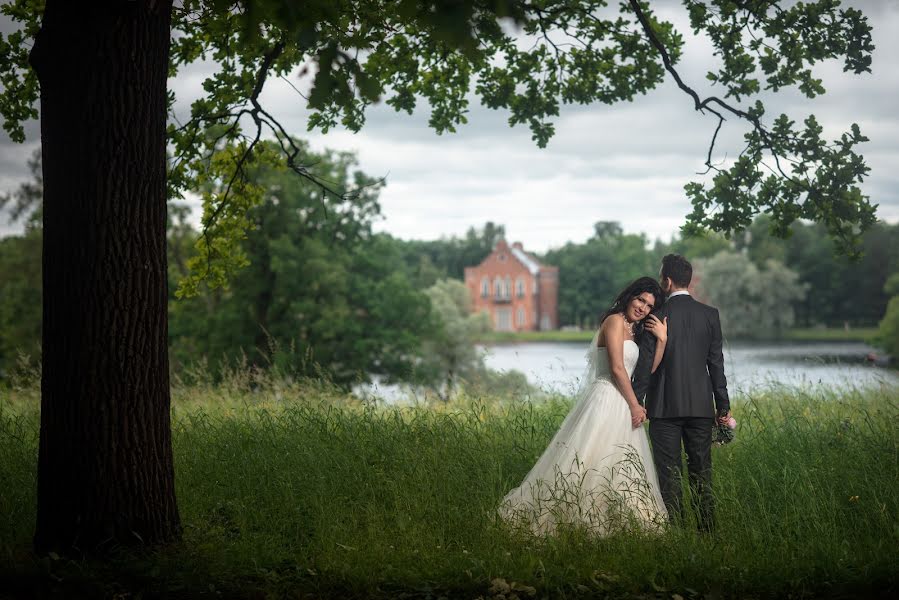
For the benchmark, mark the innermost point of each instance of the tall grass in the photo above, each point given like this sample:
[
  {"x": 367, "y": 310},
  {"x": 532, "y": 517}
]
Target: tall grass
[{"x": 285, "y": 487}]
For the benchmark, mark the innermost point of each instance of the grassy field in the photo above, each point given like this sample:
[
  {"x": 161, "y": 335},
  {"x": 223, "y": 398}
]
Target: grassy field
[
  {"x": 811, "y": 334},
  {"x": 292, "y": 491}
]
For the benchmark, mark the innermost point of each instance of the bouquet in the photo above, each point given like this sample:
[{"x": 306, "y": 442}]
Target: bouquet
[{"x": 723, "y": 433}]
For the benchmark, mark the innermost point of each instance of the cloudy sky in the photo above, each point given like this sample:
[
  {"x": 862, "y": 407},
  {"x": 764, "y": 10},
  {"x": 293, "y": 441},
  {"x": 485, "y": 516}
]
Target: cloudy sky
[{"x": 626, "y": 162}]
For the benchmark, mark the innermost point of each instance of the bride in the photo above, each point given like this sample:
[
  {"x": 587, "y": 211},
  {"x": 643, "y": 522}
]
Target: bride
[{"x": 598, "y": 471}]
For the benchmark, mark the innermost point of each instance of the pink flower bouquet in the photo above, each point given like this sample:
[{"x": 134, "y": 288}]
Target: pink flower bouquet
[{"x": 724, "y": 433}]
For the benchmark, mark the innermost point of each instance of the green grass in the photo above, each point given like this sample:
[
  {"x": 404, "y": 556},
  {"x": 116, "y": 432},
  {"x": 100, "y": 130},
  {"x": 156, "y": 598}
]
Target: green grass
[
  {"x": 809, "y": 334},
  {"x": 501, "y": 337},
  {"x": 292, "y": 489},
  {"x": 814, "y": 334}
]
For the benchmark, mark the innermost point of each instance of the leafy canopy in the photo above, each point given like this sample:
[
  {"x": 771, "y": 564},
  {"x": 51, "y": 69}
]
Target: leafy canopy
[{"x": 526, "y": 57}]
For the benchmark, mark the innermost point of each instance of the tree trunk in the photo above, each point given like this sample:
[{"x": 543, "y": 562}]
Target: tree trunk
[{"x": 105, "y": 472}]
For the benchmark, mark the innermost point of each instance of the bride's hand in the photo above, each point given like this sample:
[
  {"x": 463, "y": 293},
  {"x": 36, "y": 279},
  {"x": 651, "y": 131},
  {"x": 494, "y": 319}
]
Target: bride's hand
[
  {"x": 657, "y": 328},
  {"x": 638, "y": 415}
]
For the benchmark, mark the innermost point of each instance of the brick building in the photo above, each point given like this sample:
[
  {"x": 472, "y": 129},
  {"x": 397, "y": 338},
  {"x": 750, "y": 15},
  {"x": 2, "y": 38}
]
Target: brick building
[{"x": 518, "y": 292}]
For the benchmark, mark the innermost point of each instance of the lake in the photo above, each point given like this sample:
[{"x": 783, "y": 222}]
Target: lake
[
  {"x": 747, "y": 365},
  {"x": 558, "y": 366}
]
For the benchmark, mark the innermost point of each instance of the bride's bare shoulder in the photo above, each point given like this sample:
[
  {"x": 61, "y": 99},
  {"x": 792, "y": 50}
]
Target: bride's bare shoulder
[
  {"x": 613, "y": 319},
  {"x": 605, "y": 327}
]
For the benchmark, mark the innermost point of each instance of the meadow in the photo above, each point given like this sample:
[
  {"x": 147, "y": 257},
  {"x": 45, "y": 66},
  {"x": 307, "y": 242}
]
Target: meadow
[{"x": 296, "y": 489}]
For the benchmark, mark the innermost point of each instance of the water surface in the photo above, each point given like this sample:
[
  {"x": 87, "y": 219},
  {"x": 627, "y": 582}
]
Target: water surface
[{"x": 747, "y": 366}]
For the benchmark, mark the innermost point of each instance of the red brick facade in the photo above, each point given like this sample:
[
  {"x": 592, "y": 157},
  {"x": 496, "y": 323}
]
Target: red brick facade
[{"x": 518, "y": 292}]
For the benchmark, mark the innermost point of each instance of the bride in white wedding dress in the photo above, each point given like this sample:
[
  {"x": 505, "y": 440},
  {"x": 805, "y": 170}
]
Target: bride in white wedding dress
[{"x": 597, "y": 471}]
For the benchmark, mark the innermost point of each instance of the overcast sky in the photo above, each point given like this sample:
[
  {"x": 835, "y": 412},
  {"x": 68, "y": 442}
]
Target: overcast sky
[{"x": 627, "y": 162}]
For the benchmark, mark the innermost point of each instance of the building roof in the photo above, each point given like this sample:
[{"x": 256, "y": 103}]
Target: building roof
[{"x": 532, "y": 265}]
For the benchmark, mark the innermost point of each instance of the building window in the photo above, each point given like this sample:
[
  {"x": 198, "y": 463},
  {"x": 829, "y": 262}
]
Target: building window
[
  {"x": 485, "y": 287},
  {"x": 519, "y": 287},
  {"x": 522, "y": 318},
  {"x": 536, "y": 288},
  {"x": 498, "y": 288},
  {"x": 503, "y": 319},
  {"x": 502, "y": 258},
  {"x": 507, "y": 291}
]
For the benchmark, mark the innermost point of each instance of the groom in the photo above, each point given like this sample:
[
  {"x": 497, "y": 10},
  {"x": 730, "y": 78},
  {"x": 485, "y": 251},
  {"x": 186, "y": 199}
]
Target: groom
[{"x": 679, "y": 394}]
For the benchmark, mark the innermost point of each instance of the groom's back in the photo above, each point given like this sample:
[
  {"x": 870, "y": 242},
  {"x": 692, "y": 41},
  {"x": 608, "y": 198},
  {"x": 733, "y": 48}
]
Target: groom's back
[{"x": 692, "y": 369}]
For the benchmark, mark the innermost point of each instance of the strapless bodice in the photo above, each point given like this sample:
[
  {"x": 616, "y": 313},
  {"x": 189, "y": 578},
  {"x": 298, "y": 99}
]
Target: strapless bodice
[{"x": 604, "y": 371}]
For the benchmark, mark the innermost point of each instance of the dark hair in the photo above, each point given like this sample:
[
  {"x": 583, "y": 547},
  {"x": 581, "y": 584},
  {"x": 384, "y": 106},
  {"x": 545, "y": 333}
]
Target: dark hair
[
  {"x": 678, "y": 269},
  {"x": 636, "y": 287}
]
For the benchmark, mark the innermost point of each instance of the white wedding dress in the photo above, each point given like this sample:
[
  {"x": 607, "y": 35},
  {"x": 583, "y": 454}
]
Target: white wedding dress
[{"x": 598, "y": 471}]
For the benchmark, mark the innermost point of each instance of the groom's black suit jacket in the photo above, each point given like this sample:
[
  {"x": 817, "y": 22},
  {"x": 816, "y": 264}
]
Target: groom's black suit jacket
[{"x": 692, "y": 369}]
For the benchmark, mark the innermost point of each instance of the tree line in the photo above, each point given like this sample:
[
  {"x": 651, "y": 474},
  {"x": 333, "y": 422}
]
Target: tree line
[
  {"x": 318, "y": 293},
  {"x": 321, "y": 295},
  {"x": 763, "y": 282}
]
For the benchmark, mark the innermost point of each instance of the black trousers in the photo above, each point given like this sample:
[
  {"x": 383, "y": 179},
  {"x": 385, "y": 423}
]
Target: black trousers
[{"x": 696, "y": 434}]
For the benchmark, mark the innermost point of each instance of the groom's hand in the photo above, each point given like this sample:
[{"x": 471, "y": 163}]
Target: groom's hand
[{"x": 723, "y": 416}]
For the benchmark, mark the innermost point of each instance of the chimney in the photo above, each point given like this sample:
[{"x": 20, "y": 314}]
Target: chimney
[{"x": 518, "y": 246}]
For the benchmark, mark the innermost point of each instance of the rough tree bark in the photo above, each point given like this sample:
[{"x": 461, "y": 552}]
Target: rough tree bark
[{"x": 105, "y": 472}]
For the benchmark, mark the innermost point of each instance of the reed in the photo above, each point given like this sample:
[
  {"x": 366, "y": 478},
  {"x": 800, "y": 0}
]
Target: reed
[{"x": 287, "y": 487}]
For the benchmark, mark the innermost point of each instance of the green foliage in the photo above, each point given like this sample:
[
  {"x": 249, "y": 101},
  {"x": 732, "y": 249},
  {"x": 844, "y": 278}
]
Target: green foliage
[
  {"x": 555, "y": 52},
  {"x": 18, "y": 102},
  {"x": 785, "y": 171},
  {"x": 698, "y": 245},
  {"x": 591, "y": 274},
  {"x": 286, "y": 490},
  {"x": 430, "y": 260},
  {"x": 320, "y": 295},
  {"x": 450, "y": 355},
  {"x": 888, "y": 330},
  {"x": 820, "y": 184},
  {"x": 225, "y": 224},
  {"x": 752, "y": 302},
  {"x": 891, "y": 286},
  {"x": 20, "y": 273},
  {"x": 20, "y": 302},
  {"x": 840, "y": 291}
]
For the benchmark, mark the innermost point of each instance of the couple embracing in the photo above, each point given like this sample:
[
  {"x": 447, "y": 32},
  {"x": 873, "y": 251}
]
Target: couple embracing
[{"x": 599, "y": 471}]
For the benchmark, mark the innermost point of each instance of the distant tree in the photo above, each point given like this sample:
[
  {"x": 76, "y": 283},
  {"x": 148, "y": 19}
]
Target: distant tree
[
  {"x": 20, "y": 300},
  {"x": 20, "y": 272},
  {"x": 753, "y": 302},
  {"x": 699, "y": 245},
  {"x": 841, "y": 290},
  {"x": 426, "y": 273},
  {"x": 430, "y": 260},
  {"x": 592, "y": 273},
  {"x": 319, "y": 294},
  {"x": 888, "y": 328},
  {"x": 450, "y": 356}
]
